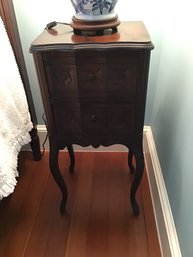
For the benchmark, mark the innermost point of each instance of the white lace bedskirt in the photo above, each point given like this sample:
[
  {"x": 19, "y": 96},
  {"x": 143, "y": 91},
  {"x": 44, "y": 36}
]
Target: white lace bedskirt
[{"x": 15, "y": 121}]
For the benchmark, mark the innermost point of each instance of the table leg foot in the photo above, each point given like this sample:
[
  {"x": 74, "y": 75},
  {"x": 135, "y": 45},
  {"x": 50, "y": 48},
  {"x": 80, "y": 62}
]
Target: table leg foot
[
  {"x": 54, "y": 168},
  {"x": 35, "y": 144},
  {"x": 137, "y": 179},
  {"x": 63, "y": 204}
]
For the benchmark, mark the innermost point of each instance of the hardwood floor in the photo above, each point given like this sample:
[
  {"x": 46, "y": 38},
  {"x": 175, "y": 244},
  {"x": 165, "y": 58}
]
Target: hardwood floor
[{"x": 98, "y": 221}]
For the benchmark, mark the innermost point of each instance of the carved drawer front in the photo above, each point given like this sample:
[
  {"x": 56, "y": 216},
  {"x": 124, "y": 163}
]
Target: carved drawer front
[
  {"x": 122, "y": 80},
  {"x": 91, "y": 79},
  {"x": 61, "y": 79},
  {"x": 121, "y": 117},
  {"x": 68, "y": 119},
  {"x": 66, "y": 114},
  {"x": 93, "y": 118}
]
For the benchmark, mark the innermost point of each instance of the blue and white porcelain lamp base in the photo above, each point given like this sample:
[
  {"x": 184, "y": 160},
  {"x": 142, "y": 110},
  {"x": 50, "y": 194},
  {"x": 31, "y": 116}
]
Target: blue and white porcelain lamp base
[{"x": 94, "y": 15}]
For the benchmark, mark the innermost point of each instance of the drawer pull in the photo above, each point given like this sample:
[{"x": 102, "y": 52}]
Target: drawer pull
[{"x": 93, "y": 117}]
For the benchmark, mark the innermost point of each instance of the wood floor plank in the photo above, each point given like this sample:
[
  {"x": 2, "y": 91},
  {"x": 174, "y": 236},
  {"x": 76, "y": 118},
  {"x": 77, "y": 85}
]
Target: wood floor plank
[
  {"x": 58, "y": 239},
  {"x": 98, "y": 221},
  {"x": 77, "y": 240},
  {"x": 45, "y": 218},
  {"x": 98, "y": 225},
  {"x": 52, "y": 226},
  {"x": 20, "y": 213},
  {"x": 151, "y": 231},
  {"x": 126, "y": 232}
]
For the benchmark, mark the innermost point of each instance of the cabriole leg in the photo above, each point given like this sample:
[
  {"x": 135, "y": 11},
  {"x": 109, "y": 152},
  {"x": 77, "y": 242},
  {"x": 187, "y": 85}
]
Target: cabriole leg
[
  {"x": 137, "y": 179},
  {"x": 130, "y": 163},
  {"x": 54, "y": 168},
  {"x": 72, "y": 158},
  {"x": 35, "y": 144}
]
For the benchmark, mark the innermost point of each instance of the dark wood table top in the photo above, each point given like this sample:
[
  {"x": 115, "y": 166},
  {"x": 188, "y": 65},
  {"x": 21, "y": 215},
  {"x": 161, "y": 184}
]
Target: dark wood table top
[{"x": 131, "y": 33}]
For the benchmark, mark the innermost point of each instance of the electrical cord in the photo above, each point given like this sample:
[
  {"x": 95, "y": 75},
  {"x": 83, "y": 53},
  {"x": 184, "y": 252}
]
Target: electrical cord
[{"x": 54, "y": 23}]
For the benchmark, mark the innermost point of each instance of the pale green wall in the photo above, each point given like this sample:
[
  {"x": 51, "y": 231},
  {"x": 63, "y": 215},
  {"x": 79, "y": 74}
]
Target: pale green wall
[
  {"x": 170, "y": 114},
  {"x": 170, "y": 91}
]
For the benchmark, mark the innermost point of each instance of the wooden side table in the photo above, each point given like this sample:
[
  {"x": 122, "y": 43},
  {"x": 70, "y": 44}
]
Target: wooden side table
[{"x": 94, "y": 92}]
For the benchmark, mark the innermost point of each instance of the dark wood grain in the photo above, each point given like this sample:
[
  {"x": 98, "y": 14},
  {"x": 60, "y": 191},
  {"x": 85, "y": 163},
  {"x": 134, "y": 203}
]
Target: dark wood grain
[
  {"x": 133, "y": 33},
  {"x": 98, "y": 220},
  {"x": 18, "y": 212}
]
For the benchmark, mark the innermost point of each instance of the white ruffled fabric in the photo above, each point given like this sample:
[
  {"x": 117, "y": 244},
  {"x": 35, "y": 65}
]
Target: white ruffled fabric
[{"x": 15, "y": 120}]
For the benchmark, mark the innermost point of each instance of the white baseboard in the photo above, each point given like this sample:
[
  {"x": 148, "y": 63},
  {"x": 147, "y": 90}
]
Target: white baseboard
[{"x": 162, "y": 210}]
